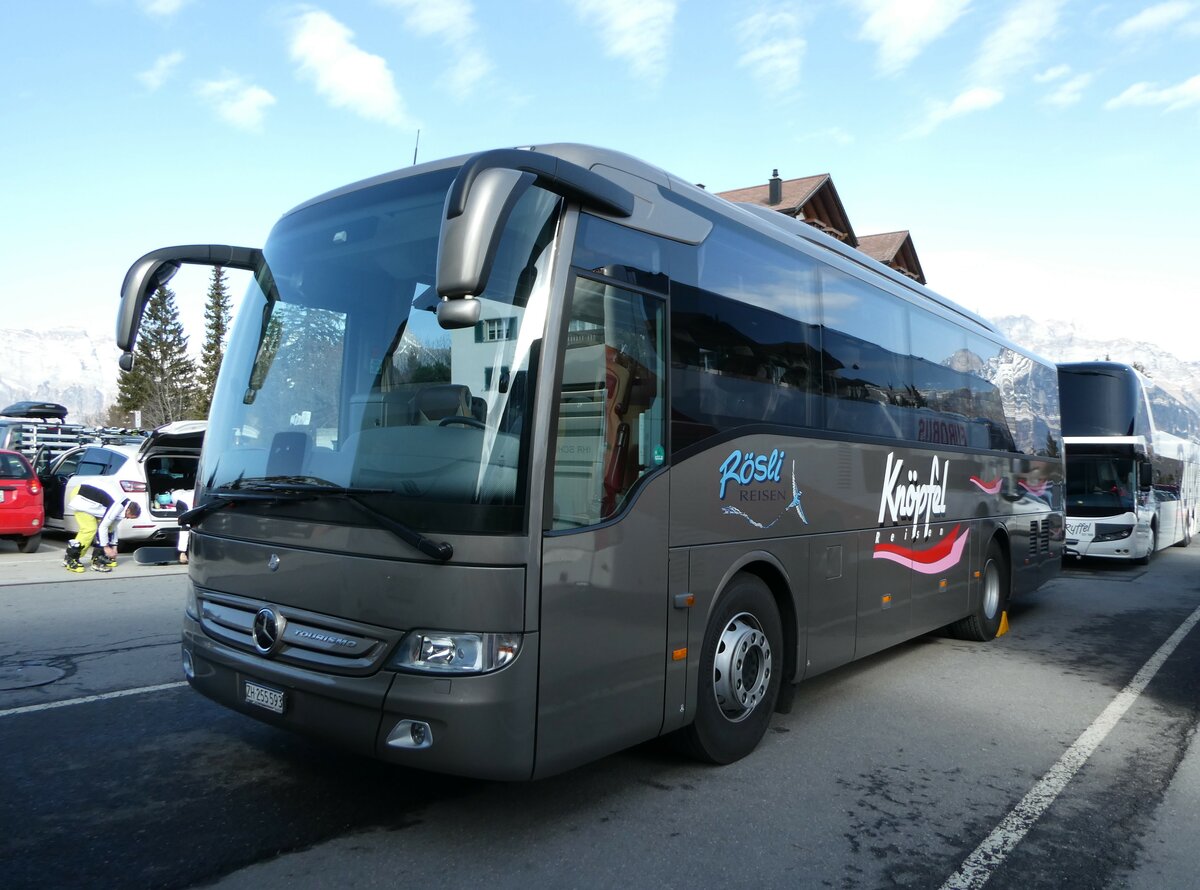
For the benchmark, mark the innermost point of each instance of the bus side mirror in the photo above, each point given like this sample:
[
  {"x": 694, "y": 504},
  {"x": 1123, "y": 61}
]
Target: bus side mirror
[
  {"x": 471, "y": 235},
  {"x": 143, "y": 278},
  {"x": 155, "y": 269},
  {"x": 478, "y": 205},
  {"x": 459, "y": 313},
  {"x": 1145, "y": 474}
]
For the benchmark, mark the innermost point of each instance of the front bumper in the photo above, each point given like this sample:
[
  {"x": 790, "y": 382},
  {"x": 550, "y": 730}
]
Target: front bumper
[{"x": 481, "y": 726}]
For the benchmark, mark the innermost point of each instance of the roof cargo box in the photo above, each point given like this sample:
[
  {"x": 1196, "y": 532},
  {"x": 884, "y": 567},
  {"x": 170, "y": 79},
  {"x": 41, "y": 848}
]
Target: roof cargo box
[{"x": 41, "y": 410}]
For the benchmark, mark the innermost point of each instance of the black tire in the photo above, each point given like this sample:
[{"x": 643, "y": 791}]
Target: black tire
[
  {"x": 1187, "y": 535},
  {"x": 984, "y": 623},
  {"x": 30, "y": 544},
  {"x": 741, "y": 667}
]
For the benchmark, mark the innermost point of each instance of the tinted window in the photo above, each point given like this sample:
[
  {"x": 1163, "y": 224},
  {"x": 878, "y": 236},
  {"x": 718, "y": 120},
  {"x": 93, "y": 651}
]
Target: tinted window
[
  {"x": 1171, "y": 415},
  {"x": 1099, "y": 401},
  {"x": 989, "y": 368},
  {"x": 617, "y": 252},
  {"x": 99, "y": 462},
  {"x": 867, "y": 377},
  {"x": 745, "y": 346}
]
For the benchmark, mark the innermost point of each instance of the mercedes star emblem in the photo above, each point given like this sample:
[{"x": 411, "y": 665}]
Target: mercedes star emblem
[{"x": 267, "y": 631}]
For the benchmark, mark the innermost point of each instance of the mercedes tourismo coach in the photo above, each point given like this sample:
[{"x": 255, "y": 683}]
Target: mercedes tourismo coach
[
  {"x": 522, "y": 458},
  {"x": 1132, "y": 463}
]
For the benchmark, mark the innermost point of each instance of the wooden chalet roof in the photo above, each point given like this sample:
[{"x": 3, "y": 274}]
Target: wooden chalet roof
[
  {"x": 894, "y": 249},
  {"x": 812, "y": 199}
]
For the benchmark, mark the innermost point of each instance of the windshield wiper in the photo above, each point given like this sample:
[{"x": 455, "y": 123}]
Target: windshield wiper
[
  {"x": 223, "y": 497},
  {"x": 439, "y": 550},
  {"x": 296, "y": 488}
]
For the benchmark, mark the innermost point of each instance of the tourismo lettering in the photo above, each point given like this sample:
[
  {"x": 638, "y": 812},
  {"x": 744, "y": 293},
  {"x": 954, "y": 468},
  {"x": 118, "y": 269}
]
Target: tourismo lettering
[
  {"x": 909, "y": 498},
  {"x": 941, "y": 432},
  {"x": 742, "y": 469}
]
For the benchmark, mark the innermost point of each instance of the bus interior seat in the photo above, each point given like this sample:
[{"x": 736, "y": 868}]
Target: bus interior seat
[
  {"x": 435, "y": 403},
  {"x": 397, "y": 407}
]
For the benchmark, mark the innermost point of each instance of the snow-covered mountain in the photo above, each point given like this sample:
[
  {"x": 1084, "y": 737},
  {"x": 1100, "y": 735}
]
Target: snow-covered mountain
[
  {"x": 75, "y": 368},
  {"x": 1061, "y": 341},
  {"x": 78, "y": 368}
]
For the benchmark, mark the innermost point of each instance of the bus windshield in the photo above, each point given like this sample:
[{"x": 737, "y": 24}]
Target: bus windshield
[
  {"x": 337, "y": 371},
  {"x": 1099, "y": 485}
]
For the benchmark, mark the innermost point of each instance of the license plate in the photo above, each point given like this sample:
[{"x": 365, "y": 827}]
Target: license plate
[{"x": 271, "y": 699}]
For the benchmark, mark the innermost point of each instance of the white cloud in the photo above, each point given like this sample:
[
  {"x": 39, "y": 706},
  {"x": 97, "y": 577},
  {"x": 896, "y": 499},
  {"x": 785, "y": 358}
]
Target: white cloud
[
  {"x": 237, "y": 103},
  {"x": 772, "y": 48},
  {"x": 162, "y": 8},
  {"x": 1016, "y": 42},
  {"x": 346, "y": 76},
  {"x": 636, "y": 31},
  {"x": 444, "y": 18},
  {"x": 155, "y": 76},
  {"x": 903, "y": 28},
  {"x": 966, "y": 102},
  {"x": 1154, "y": 18},
  {"x": 1058, "y": 72},
  {"x": 1069, "y": 92},
  {"x": 453, "y": 23},
  {"x": 1174, "y": 98}
]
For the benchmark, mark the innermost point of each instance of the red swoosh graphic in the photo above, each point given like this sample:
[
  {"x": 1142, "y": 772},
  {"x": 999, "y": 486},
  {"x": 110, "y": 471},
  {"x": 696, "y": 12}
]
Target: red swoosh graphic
[
  {"x": 941, "y": 556},
  {"x": 1037, "y": 490},
  {"x": 992, "y": 487}
]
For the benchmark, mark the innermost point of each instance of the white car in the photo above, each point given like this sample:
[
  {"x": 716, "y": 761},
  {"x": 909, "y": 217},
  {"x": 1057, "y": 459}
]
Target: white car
[{"x": 165, "y": 461}]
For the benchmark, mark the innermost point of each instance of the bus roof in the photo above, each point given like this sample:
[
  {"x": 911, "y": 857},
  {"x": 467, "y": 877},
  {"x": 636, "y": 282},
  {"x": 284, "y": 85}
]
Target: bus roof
[{"x": 650, "y": 183}]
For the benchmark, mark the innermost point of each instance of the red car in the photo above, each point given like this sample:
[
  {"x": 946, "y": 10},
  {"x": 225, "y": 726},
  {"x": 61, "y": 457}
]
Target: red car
[{"x": 22, "y": 514}]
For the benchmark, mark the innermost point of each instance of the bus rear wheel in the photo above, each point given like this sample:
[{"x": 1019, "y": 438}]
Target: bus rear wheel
[
  {"x": 984, "y": 623},
  {"x": 1187, "y": 535},
  {"x": 740, "y": 671}
]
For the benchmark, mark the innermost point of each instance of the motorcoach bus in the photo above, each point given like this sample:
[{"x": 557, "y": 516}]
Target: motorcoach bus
[
  {"x": 521, "y": 458},
  {"x": 1132, "y": 463}
]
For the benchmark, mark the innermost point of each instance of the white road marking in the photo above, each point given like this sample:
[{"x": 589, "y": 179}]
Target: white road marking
[
  {"x": 121, "y": 693},
  {"x": 990, "y": 855}
]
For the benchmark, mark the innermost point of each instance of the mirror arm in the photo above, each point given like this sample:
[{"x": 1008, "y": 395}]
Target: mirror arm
[
  {"x": 553, "y": 174},
  {"x": 155, "y": 269},
  {"x": 478, "y": 205}
]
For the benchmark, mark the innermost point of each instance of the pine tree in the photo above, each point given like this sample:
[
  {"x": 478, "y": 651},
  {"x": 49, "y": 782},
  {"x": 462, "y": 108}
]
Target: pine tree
[
  {"x": 216, "y": 328},
  {"x": 162, "y": 382}
]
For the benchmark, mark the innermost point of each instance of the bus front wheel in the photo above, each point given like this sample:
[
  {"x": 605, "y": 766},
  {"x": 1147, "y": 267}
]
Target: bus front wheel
[
  {"x": 1153, "y": 546},
  {"x": 984, "y": 623},
  {"x": 741, "y": 667}
]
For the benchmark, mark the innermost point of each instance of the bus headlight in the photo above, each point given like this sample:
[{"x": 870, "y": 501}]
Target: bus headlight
[
  {"x": 1111, "y": 532},
  {"x": 453, "y": 652}
]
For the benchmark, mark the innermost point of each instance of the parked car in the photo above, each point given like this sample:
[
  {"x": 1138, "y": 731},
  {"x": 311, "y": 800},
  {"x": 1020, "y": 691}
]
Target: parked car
[
  {"x": 165, "y": 461},
  {"x": 21, "y": 502}
]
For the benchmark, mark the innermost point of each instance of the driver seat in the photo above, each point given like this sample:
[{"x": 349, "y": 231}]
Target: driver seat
[{"x": 434, "y": 404}]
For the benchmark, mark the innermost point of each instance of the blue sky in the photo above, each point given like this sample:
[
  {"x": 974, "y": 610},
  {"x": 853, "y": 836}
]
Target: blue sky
[{"x": 1043, "y": 153}]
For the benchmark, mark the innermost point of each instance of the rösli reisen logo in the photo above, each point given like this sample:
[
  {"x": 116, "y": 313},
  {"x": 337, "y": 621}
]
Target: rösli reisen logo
[
  {"x": 904, "y": 496},
  {"x": 748, "y": 477}
]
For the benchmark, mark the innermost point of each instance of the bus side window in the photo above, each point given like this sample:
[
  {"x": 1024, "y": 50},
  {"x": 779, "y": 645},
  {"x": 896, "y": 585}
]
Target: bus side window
[{"x": 611, "y": 418}]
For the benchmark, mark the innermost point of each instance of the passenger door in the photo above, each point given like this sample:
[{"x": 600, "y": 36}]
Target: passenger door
[{"x": 604, "y": 597}]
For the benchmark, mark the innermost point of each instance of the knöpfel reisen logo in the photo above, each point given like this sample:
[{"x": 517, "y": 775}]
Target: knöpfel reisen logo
[{"x": 906, "y": 497}]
